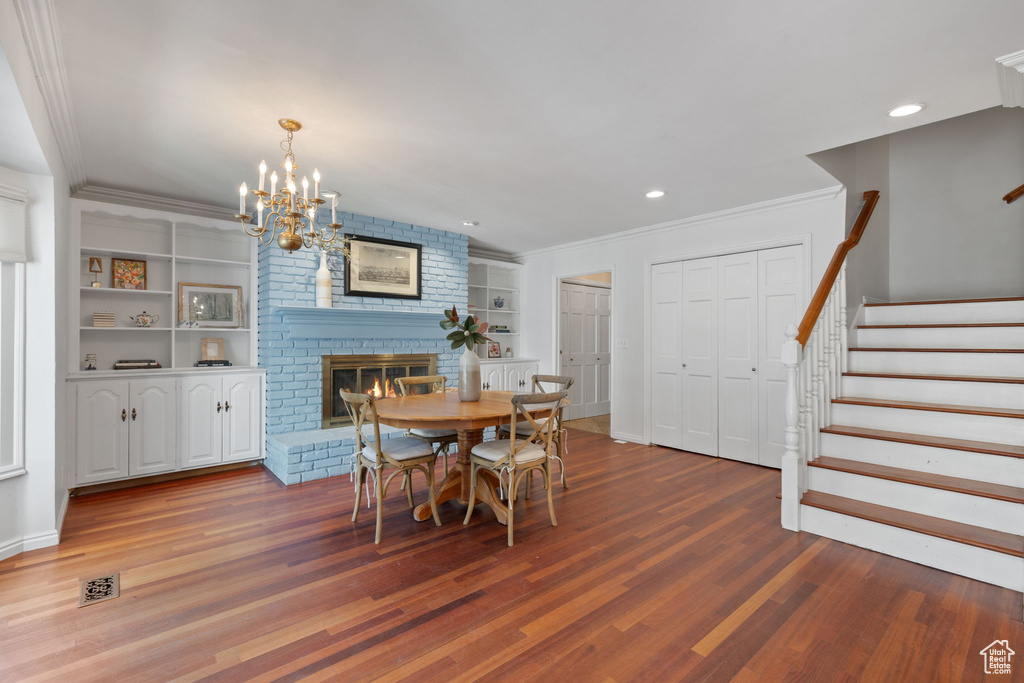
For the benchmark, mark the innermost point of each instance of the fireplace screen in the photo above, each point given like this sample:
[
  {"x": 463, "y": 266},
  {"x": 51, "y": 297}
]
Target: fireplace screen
[{"x": 367, "y": 374}]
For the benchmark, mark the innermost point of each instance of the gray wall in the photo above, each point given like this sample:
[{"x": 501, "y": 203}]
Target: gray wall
[{"x": 952, "y": 236}]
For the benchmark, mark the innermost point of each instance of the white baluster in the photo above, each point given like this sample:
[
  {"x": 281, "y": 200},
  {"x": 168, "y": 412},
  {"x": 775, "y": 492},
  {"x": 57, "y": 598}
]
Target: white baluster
[
  {"x": 792, "y": 464},
  {"x": 815, "y": 346},
  {"x": 824, "y": 400},
  {"x": 844, "y": 342},
  {"x": 836, "y": 350}
]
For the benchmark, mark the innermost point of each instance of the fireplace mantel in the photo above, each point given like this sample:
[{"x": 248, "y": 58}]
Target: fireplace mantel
[{"x": 305, "y": 322}]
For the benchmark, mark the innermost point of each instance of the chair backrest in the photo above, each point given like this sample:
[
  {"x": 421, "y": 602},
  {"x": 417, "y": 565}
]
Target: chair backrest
[
  {"x": 428, "y": 384},
  {"x": 557, "y": 383},
  {"x": 522, "y": 405},
  {"x": 360, "y": 407}
]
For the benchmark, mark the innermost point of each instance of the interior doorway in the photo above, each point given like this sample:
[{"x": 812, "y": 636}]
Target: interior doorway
[{"x": 585, "y": 353}]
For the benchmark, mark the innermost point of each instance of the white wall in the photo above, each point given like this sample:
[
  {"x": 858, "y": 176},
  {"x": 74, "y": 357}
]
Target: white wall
[
  {"x": 819, "y": 217},
  {"x": 951, "y": 235},
  {"x": 32, "y": 505}
]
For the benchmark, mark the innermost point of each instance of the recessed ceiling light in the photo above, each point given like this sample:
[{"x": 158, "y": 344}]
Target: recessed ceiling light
[
  {"x": 654, "y": 194},
  {"x": 905, "y": 110},
  {"x": 330, "y": 194},
  {"x": 470, "y": 224}
]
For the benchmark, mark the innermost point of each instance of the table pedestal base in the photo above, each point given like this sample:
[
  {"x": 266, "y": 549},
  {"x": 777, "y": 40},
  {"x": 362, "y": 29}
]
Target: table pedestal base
[{"x": 456, "y": 485}]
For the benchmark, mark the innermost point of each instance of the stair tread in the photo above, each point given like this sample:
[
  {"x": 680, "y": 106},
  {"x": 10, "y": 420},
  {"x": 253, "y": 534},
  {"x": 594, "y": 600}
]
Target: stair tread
[
  {"x": 945, "y": 301},
  {"x": 933, "y": 407},
  {"x": 990, "y": 448},
  {"x": 1013, "y": 494},
  {"x": 935, "y": 325},
  {"x": 933, "y": 350},
  {"x": 946, "y": 378},
  {"x": 979, "y": 537}
]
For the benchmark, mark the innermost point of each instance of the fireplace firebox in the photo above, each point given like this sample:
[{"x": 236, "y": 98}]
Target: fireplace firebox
[{"x": 367, "y": 374}]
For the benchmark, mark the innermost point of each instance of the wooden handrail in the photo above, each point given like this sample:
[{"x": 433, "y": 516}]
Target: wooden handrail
[
  {"x": 834, "y": 266},
  {"x": 1014, "y": 195}
]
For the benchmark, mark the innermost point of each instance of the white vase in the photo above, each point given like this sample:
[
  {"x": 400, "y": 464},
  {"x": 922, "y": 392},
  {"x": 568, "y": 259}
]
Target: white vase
[
  {"x": 323, "y": 283},
  {"x": 469, "y": 376}
]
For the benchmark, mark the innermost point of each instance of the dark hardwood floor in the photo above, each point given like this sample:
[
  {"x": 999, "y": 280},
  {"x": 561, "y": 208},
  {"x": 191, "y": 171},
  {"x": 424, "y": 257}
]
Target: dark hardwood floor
[{"x": 665, "y": 566}]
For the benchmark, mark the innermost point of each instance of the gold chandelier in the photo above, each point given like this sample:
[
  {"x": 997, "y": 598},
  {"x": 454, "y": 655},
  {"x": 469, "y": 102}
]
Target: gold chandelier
[{"x": 291, "y": 218}]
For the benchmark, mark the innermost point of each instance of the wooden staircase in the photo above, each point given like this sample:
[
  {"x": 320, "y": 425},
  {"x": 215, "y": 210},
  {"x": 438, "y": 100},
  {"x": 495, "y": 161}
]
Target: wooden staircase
[{"x": 924, "y": 456}]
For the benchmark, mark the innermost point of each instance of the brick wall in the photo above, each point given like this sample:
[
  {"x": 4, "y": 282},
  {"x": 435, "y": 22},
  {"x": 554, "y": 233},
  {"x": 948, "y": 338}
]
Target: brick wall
[{"x": 293, "y": 365}]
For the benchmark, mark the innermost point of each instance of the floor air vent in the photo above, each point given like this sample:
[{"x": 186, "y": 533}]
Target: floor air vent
[{"x": 99, "y": 589}]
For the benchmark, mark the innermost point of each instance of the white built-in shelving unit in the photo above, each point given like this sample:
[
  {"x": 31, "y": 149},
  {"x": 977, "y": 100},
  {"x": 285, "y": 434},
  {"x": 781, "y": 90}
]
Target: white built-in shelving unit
[{"x": 489, "y": 282}]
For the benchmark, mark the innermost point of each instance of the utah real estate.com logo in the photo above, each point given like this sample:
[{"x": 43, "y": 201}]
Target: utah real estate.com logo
[{"x": 997, "y": 657}]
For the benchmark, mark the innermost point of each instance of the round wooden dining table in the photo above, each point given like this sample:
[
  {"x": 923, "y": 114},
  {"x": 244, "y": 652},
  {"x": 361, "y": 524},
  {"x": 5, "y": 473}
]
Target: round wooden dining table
[{"x": 469, "y": 418}]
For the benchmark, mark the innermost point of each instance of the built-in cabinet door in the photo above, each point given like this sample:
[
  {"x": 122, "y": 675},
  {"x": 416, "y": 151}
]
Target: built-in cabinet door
[
  {"x": 514, "y": 378},
  {"x": 201, "y": 421},
  {"x": 101, "y": 431},
  {"x": 737, "y": 357},
  {"x": 152, "y": 429},
  {"x": 781, "y": 299},
  {"x": 241, "y": 417},
  {"x": 493, "y": 376},
  {"x": 666, "y": 358},
  {"x": 529, "y": 370},
  {"x": 699, "y": 356}
]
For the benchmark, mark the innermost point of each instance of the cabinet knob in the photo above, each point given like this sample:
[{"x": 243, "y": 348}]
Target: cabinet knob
[
  {"x": 753, "y": 369},
  {"x": 684, "y": 365},
  {"x": 218, "y": 406},
  {"x": 133, "y": 414},
  {"x": 227, "y": 406},
  {"x": 124, "y": 415}
]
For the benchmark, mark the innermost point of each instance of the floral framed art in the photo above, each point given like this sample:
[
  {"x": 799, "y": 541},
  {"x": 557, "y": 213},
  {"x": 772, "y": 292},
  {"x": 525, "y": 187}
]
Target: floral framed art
[{"x": 127, "y": 273}]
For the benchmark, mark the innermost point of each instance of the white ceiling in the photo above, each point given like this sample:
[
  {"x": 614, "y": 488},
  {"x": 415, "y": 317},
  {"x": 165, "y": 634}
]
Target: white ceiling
[
  {"x": 544, "y": 120},
  {"x": 19, "y": 148}
]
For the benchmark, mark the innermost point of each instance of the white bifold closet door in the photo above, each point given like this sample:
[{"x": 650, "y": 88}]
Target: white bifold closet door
[{"x": 718, "y": 326}]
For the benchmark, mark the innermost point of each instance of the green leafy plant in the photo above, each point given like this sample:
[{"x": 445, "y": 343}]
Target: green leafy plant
[{"x": 468, "y": 332}]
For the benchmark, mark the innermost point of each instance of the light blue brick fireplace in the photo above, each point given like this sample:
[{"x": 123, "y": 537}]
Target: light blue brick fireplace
[{"x": 297, "y": 448}]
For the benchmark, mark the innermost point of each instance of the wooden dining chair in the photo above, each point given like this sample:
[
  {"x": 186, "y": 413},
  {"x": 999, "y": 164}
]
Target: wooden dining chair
[
  {"x": 441, "y": 439},
  {"x": 520, "y": 457},
  {"x": 541, "y": 384},
  {"x": 373, "y": 457}
]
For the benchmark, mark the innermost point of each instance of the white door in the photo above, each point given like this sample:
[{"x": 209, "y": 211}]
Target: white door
[
  {"x": 699, "y": 356},
  {"x": 201, "y": 421},
  {"x": 101, "y": 432},
  {"x": 570, "y": 355},
  {"x": 241, "y": 417},
  {"x": 666, "y": 358},
  {"x": 152, "y": 428},
  {"x": 780, "y": 298},
  {"x": 597, "y": 353},
  {"x": 738, "y": 433},
  {"x": 493, "y": 376}
]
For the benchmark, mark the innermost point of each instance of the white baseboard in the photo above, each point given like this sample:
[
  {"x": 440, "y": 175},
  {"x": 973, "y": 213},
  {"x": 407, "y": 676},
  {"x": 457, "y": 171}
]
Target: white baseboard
[
  {"x": 45, "y": 540},
  {"x": 41, "y": 541},
  {"x": 11, "y": 548},
  {"x": 632, "y": 438},
  {"x": 61, "y": 512}
]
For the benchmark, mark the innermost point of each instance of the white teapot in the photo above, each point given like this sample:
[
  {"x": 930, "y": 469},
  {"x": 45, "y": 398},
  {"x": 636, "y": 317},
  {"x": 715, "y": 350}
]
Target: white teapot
[{"x": 145, "y": 319}]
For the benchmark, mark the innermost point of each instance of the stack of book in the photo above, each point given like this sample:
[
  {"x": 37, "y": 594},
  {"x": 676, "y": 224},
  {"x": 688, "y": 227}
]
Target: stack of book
[
  {"x": 500, "y": 329},
  {"x": 212, "y": 363},
  {"x": 103, "y": 319},
  {"x": 136, "y": 364}
]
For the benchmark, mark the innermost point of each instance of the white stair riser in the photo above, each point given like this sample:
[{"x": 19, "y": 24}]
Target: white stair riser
[
  {"x": 951, "y": 363},
  {"x": 981, "y": 394},
  {"x": 976, "y": 563},
  {"x": 942, "y": 338},
  {"x": 949, "y": 425},
  {"x": 988, "y": 513},
  {"x": 996, "y": 469},
  {"x": 923, "y": 314}
]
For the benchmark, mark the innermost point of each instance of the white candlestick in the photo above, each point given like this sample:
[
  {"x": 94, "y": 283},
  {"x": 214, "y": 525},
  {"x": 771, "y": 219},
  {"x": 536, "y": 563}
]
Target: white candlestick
[
  {"x": 316, "y": 183},
  {"x": 242, "y": 191},
  {"x": 334, "y": 209},
  {"x": 263, "y": 173},
  {"x": 259, "y": 213},
  {"x": 291, "y": 194},
  {"x": 273, "y": 184},
  {"x": 305, "y": 189}
]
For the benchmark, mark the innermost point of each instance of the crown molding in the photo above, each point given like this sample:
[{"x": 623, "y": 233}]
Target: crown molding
[
  {"x": 148, "y": 201},
  {"x": 41, "y": 30},
  {"x": 650, "y": 230},
  {"x": 490, "y": 255},
  {"x": 1011, "y": 79}
]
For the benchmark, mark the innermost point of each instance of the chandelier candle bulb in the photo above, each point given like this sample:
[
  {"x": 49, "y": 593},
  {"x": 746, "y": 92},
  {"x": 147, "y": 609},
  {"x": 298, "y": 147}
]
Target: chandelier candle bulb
[
  {"x": 263, "y": 173},
  {"x": 334, "y": 210},
  {"x": 316, "y": 182},
  {"x": 242, "y": 191},
  {"x": 305, "y": 189},
  {"x": 273, "y": 185}
]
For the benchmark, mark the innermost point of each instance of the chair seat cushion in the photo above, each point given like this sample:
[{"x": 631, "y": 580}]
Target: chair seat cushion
[
  {"x": 523, "y": 427},
  {"x": 433, "y": 433},
  {"x": 496, "y": 450},
  {"x": 402, "y": 448}
]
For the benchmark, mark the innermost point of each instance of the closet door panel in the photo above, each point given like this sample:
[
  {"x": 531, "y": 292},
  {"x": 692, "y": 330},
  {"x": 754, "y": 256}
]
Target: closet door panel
[
  {"x": 666, "y": 364},
  {"x": 700, "y": 356},
  {"x": 737, "y": 364}
]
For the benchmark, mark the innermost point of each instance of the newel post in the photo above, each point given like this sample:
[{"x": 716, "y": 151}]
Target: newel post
[{"x": 792, "y": 474}]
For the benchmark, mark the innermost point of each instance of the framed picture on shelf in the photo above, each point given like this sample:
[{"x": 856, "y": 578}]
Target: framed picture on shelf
[
  {"x": 206, "y": 305},
  {"x": 493, "y": 350},
  {"x": 384, "y": 268},
  {"x": 127, "y": 273},
  {"x": 213, "y": 348}
]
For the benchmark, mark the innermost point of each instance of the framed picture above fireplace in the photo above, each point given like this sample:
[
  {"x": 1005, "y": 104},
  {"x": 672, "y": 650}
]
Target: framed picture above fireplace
[{"x": 384, "y": 268}]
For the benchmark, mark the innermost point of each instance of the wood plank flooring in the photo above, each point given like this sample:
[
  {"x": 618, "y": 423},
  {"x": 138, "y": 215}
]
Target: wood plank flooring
[{"x": 665, "y": 566}]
